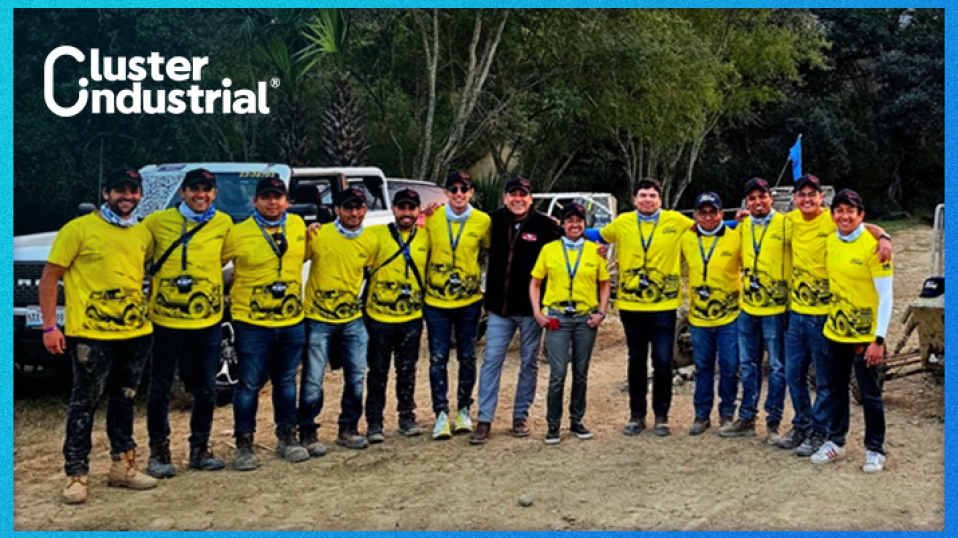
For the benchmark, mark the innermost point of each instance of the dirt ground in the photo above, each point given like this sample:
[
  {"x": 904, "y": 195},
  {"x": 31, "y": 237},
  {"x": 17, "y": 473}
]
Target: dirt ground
[{"x": 612, "y": 482}]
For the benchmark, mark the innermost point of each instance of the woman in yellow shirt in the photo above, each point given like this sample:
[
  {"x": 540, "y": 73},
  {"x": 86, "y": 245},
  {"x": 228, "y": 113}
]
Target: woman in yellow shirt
[{"x": 575, "y": 304}]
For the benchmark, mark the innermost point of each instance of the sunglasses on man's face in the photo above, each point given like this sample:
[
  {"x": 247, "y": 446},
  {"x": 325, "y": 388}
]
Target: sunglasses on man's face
[{"x": 456, "y": 189}]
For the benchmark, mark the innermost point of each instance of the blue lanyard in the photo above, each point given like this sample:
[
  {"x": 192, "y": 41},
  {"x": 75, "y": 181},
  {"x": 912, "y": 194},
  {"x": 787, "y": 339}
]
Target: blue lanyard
[
  {"x": 452, "y": 243},
  {"x": 706, "y": 259},
  {"x": 572, "y": 271},
  {"x": 757, "y": 247},
  {"x": 272, "y": 245},
  {"x": 646, "y": 244},
  {"x": 405, "y": 246}
]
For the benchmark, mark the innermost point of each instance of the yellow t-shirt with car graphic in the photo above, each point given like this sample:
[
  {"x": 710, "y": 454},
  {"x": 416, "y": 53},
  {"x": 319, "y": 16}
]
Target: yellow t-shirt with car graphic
[
  {"x": 713, "y": 297},
  {"x": 265, "y": 292},
  {"x": 766, "y": 265},
  {"x": 551, "y": 265},
  {"x": 190, "y": 297},
  {"x": 809, "y": 282},
  {"x": 648, "y": 281},
  {"x": 454, "y": 281},
  {"x": 394, "y": 293},
  {"x": 103, "y": 284},
  {"x": 336, "y": 274},
  {"x": 852, "y": 313}
]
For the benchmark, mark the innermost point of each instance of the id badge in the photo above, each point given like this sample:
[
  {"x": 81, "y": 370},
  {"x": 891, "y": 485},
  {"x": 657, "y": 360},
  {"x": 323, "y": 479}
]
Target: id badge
[
  {"x": 184, "y": 284},
  {"x": 643, "y": 281},
  {"x": 754, "y": 285},
  {"x": 704, "y": 293},
  {"x": 278, "y": 289}
]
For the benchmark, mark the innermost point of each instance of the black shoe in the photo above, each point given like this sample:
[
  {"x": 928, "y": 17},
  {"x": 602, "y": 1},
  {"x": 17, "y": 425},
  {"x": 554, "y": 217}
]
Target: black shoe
[
  {"x": 662, "y": 427},
  {"x": 580, "y": 431},
  {"x": 374, "y": 433},
  {"x": 243, "y": 457},
  {"x": 409, "y": 427},
  {"x": 310, "y": 441},
  {"x": 349, "y": 437},
  {"x": 793, "y": 439},
  {"x": 160, "y": 464},
  {"x": 288, "y": 446},
  {"x": 699, "y": 426},
  {"x": 202, "y": 458},
  {"x": 552, "y": 438},
  {"x": 634, "y": 427}
]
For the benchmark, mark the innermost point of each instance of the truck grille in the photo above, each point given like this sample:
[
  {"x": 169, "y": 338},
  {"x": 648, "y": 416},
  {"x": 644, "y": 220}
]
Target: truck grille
[{"x": 26, "y": 284}]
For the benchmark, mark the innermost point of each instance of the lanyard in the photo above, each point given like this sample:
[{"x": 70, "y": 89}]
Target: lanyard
[
  {"x": 706, "y": 259},
  {"x": 454, "y": 243},
  {"x": 645, "y": 244},
  {"x": 272, "y": 245},
  {"x": 404, "y": 247},
  {"x": 572, "y": 271},
  {"x": 757, "y": 247}
]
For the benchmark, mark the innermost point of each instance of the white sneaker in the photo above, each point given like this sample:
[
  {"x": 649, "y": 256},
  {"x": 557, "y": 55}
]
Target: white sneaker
[
  {"x": 828, "y": 453},
  {"x": 874, "y": 462},
  {"x": 463, "y": 422},
  {"x": 441, "y": 429}
]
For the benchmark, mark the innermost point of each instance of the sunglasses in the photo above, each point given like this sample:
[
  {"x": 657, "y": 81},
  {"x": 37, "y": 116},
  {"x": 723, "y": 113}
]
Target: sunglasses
[
  {"x": 281, "y": 243},
  {"x": 455, "y": 189}
]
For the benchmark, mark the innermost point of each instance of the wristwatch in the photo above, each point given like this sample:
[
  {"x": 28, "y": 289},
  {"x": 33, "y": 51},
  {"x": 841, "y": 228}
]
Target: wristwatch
[
  {"x": 601, "y": 313},
  {"x": 880, "y": 340},
  {"x": 884, "y": 236}
]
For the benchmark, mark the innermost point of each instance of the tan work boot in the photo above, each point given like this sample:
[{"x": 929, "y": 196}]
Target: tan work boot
[
  {"x": 75, "y": 491},
  {"x": 124, "y": 474}
]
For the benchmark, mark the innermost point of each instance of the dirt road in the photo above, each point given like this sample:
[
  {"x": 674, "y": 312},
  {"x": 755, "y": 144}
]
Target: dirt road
[{"x": 609, "y": 483}]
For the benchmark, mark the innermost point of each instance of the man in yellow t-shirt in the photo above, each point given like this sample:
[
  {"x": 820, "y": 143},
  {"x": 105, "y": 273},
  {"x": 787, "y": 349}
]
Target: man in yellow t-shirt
[
  {"x": 100, "y": 259},
  {"x": 713, "y": 253},
  {"x": 267, "y": 251},
  {"x": 394, "y": 313},
  {"x": 766, "y": 260},
  {"x": 858, "y": 317},
  {"x": 649, "y": 292},
  {"x": 339, "y": 255},
  {"x": 186, "y": 307},
  {"x": 457, "y": 233}
]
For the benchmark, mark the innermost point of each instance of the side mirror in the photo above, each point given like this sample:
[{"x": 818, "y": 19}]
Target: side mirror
[
  {"x": 85, "y": 209},
  {"x": 325, "y": 215}
]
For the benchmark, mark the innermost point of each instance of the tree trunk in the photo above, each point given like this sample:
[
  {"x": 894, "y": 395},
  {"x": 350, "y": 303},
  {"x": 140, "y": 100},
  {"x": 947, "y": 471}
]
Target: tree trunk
[{"x": 432, "y": 65}]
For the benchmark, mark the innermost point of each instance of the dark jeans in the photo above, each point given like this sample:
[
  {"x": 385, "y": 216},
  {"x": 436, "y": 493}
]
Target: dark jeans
[
  {"x": 441, "y": 323},
  {"x": 805, "y": 345},
  {"x": 709, "y": 344},
  {"x": 385, "y": 341},
  {"x": 836, "y": 376},
  {"x": 266, "y": 353},
  {"x": 751, "y": 331},
  {"x": 571, "y": 342},
  {"x": 113, "y": 367},
  {"x": 644, "y": 329},
  {"x": 353, "y": 339},
  {"x": 199, "y": 353}
]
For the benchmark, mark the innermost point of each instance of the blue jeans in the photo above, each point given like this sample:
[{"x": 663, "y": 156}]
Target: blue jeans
[
  {"x": 499, "y": 334},
  {"x": 643, "y": 329},
  {"x": 354, "y": 340},
  {"x": 266, "y": 353},
  {"x": 441, "y": 323},
  {"x": 836, "y": 375},
  {"x": 198, "y": 353},
  {"x": 804, "y": 345},
  {"x": 751, "y": 331},
  {"x": 709, "y": 344}
]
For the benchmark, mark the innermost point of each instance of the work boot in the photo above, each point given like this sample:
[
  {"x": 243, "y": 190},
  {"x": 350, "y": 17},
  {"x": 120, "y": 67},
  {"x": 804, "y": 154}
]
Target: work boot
[
  {"x": 288, "y": 447},
  {"x": 409, "y": 427},
  {"x": 772, "y": 434},
  {"x": 374, "y": 433},
  {"x": 124, "y": 474},
  {"x": 349, "y": 437},
  {"x": 308, "y": 438},
  {"x": 202, "y": 458},
  {"x": 724, "y": 422},
  {"x": 634, "y": 427},
  {"x": 75, "y": 492},
  {"x": 580, "y": 431},
  {"x": 661, "y": 427},
  {"x": 699, "y": 426},
  {"x": 243, "y": 457},
  {"x": 739, "y": 428},
  {"x": 793, "y": 439},
  {"x": 481, "y": 435},
  {"x": 520, "y": 428},
  {"x": 160, "y": 464},
  {"x": 810, "y": 445}
]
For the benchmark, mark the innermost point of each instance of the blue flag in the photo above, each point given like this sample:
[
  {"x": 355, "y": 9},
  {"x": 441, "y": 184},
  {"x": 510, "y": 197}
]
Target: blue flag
[{"x": 795, "y": 155}]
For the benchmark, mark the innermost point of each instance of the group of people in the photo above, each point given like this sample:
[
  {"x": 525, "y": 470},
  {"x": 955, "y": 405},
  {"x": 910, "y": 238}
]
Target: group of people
[{"x": 369, "y": 290}]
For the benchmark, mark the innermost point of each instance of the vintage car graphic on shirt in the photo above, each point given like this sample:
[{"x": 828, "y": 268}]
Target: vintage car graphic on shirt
[
  {"x": 848, "y": 320},
  {"x": 335, "y": 304},
  {"x": 762, "y": 290},
  {"x": 117, "y": 309},
  {"x": 395, "y": 298},
  {"x": 188, "y": 297},
  {"x": 276, "y": 301},
  {"x": 713, "y": 303},
  {"x": 445, "y": 283},
  {"x": 649, "y": 286},
  {"x": 808, "y": 290}
]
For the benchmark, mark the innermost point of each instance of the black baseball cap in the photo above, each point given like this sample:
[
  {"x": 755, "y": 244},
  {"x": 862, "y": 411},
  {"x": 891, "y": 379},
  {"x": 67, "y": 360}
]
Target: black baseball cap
[
  {"x": 122, "y": 175},
  {"x": 352, "y": 194},
  {"x": 573, "y": 209},
  {"x": 756, "y": 183},
  {"x": 198, "y": 175},
  {"x": 848, "y": 197},
  {"x": 808, "y": 180},
  {"x": 519, "y": 183},
  {"x": 708, "y": 198},
  {"x": 271, "y": 184},
  {"x": 933, "y": 287},
  {"x": 459, "y": 177},
  {"x": 407, "y": 196}
]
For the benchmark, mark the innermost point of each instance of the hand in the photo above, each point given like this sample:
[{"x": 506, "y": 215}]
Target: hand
[
  {"x": 313, "y": 229},
  {"x": 595, "y": 320},
  {"x": 603, "y": 251},
  {"x": 884, "y": 250},
  {"x": 431, "y": 208},
  {"x": 742, "y": 213},
  {"x": 55, "y": 342},
  {"x": 875, "y": 354},
  {"x": 542, "y": 319}
]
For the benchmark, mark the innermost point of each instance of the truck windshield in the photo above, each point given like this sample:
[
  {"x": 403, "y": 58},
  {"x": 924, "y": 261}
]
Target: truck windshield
[{"x": 234, "y": 196}]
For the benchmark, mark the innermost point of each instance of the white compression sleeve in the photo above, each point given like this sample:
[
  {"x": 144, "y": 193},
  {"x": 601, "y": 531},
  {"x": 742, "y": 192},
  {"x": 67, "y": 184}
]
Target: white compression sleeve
[{"x": 883, "y": 285}]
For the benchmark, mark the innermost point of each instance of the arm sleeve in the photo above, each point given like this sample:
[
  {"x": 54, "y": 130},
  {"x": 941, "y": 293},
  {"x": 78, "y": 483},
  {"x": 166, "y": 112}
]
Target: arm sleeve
[
  {"x": 66, "y": 246},
  {"x": 229, "y": 246},
  {"x": 595, "y": 235},
  {"x": 731, "y": 224},
  {"x": 883, "y": 285},
  {"x": 539, "y": 271},
  {"x": 603, "y": 268},
  {"x": 608, "y": 233}
]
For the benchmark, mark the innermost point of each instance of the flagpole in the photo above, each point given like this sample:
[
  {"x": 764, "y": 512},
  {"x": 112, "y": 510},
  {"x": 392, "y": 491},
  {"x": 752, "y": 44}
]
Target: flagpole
[{"x": 780, "y": 174}]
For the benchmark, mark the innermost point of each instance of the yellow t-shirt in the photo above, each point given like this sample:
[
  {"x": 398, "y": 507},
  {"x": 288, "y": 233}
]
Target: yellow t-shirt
[
  {"x": 336, "y": 274},
  {"x": 262, "y": 294},
  {"x": 394, "y": 292},
  {"x": 714, "y": 301},
  {"x": 448, "y": 284},
  {"x": 103, "y": 284},
  {"x": 551, "y": 264},
  {"x": 190, "y": 298},
  {"x": 851, "y": 267},
  {"x": 648, "y": 282},
  {"x": 809, "y": 282},
  {"x": 765, "y": 284}
]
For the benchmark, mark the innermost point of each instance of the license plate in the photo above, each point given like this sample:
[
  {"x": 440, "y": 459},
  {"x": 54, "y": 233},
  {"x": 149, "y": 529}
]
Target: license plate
[{"x": 35, "y": 317}]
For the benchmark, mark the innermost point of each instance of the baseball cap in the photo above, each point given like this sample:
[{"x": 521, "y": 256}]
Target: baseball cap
[
  {"x": 271, "y": 184},
  {"x": 407, "y": 196},
  {"x": 808, "y": 180},
  {"x": 123, "y": 175},
  {"x": 933, "y": 287},
  {"x": 351, "y": 194},
  {"x": 756, "y": 183},
  {"x": 573, "y": 209},
  {"x": 198, "y": 175},
  {"x": 848, "y": 197},
  {"x": 459, "y": 177},
  {"x": 519, "y": 183},
  {"x": 708, "y": 198}
]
